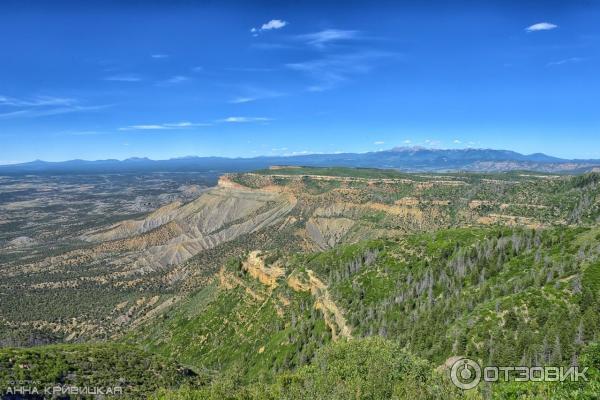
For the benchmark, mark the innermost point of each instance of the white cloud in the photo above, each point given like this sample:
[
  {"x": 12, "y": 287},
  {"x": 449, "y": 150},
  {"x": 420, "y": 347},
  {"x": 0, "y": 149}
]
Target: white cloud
[
  {"x": 407, "y": 141},
  {"x": 174, "y": 80},
  {"x": 83, "y": 133},
  {"x": 245, "y": 119},
  {"x": 177, "y": 79},
  {"x": 541, "y": 26},
  {"x": 456, "y": 141},
  {"x": 322, "y": 38},
  {"x": 273, "y": 24},
  {"x": 34, "y": 112},
  {"x": 379, "y": 142},
  {"x": 334, "y": 69},
  {"x": 267, "y": 26},
  {"x": 42, "y": 106},
  {"x": 124, "y": 78},
  {"x": 251, "y": 93},
  {"x": 269, "y": 46},
  {"x": 158, "y": 56},
  {"x": 142, "y": 127},
  {"x": 38, "y": 101},
  {"x": 184, "y": 124},
  {"x": 570, "y": 60},
  {"x": 249, "y": 69},
  {"x": 167, "y": 126},
  {"x": 240, "y": 100}
]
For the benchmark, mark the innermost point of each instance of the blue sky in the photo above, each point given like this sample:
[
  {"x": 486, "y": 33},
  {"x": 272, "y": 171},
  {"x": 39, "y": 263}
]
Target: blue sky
[{"x": 168, "y": 79}]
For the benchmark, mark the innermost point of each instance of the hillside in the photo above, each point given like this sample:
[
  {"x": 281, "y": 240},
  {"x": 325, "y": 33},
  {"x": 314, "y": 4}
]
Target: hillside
[
  {"x": 506, "y": 296},
  {"x": 131, "y": 270},
  {"x": 110, "y": 368},
  {"x": 270, "y": 271}
]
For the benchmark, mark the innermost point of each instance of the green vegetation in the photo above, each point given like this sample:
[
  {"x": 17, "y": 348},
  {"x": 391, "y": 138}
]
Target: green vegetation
[
  {"x": 361, "y": 369},
  {"x": 497, "y": 295},
  {"x": 136, "y": 372},
  {"x": 249, "y": 329},
  {"x": 364, "y": 289}
]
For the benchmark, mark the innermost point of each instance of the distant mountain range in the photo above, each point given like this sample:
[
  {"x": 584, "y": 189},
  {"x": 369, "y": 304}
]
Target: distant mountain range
[{"x": 413, "y": 159}]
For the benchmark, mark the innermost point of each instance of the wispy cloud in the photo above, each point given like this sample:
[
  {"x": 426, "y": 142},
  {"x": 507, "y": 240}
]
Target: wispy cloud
[
  {"x": 271, "y": 46},
  {"x": 38, "y": 101},
  {"x": 240, "y": 100},
  {"x": 571, "y": 60},
  {"x": 379, "y": 142},
  {"x": 330, "y": 71},
  {"x": 159, "y": 56},
  {"x": 267, "y": 26},
  {"x": 541, "y": 26},
  {"x": 42, "y": 106},
  {"x": 251, "y": 94},
  {"x": 82, "y": 133},
  {"x": 147, "y": 127},
  {"x": 245, "y": 119},
  {"x": 323, "y": 38},
  {"x": 34, "y": 113},
  {"x": 174, "y": 80},
  {"x": 188, "y": 125},
  {"x": 167, "y": 126},
  {"x": 124, "y": 78},
  {"x": 250, "y": 69}
]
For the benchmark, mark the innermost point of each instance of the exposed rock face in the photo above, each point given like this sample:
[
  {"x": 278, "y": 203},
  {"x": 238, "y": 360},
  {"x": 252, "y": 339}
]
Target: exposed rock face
[
  {"x": 334, "y": 317},
  {"x": 133, "y": 227},
  {"x": 255, "y": 266},
  {"x": 327, "y": 232},
  {"x": 176, "y": 232},
  {"x": 299, "y": 281},
  {"x": 226, "y": 182},
  {"x": 145, "y": 255}
]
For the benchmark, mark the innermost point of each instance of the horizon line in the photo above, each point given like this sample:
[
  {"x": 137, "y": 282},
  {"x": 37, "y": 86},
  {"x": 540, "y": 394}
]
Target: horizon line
[{"x": 416, "y": 147}]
